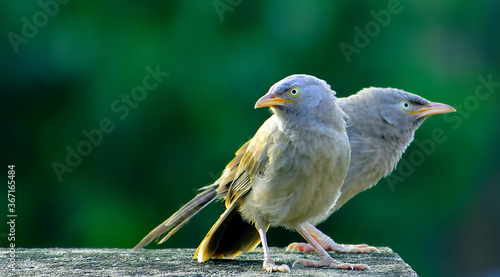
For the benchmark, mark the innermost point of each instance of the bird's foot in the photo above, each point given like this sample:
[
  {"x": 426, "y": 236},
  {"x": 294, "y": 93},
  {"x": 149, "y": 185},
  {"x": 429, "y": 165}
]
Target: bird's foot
[
  {"x": 300, "y": 246},
  {"x": 351, "y": 248},
  {"x": 332, "y": 246},
  {"x": 270, "y": 266},
  {"x": 331, "y": 263}
]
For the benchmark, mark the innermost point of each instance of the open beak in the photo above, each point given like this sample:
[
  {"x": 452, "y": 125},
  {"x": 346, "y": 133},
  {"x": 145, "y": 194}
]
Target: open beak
[
  {"x": 271, "y": 100},
  {"x": 434, "y": 108}
]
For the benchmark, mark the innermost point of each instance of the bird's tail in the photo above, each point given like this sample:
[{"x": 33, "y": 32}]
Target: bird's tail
[
  {"x": 229, "y": 237},
  {"x": 180, "y": 218}
]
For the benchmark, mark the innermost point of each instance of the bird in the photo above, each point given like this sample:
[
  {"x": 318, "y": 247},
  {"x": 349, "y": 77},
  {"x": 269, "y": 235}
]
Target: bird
[
  {"x": 289, "y": 174},
  {"x": 381, "y": 124}
]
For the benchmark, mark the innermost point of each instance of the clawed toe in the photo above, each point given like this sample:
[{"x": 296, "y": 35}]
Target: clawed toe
[
  {"x": 307, "y": 263},
  {"x": 300, "y": 246},
  {"x": 292, "y": 246},
  {"x": 270, "y": 266},
  {"x": 331, "y": 264},
  {"x": 340, "y": 248},
  {"x": 352, "y": 248}
]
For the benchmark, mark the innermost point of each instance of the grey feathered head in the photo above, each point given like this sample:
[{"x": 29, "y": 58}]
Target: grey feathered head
[
  {"x": 302, "y": 97},
  {"x": 393, "y": 113}
]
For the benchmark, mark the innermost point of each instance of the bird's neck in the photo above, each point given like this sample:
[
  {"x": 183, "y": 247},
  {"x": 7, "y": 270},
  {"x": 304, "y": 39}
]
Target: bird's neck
[
  {"x": 394, "y": 147},
  {"x": 329, "y": 122},
  {"x": 378, "y": 154}
]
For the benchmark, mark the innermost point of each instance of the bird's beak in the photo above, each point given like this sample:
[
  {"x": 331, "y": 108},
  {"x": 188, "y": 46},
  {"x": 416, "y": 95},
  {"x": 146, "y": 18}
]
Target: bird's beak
[
  {"x": 432, "y": 109},
  {"x": 271, "y": 100}
]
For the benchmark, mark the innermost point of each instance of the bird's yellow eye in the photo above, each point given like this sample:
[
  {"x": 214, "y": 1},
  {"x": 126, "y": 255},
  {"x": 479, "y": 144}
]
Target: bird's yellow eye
[
  {"x": 295, "y": 91},
  {"x": 405, "y": 105}
]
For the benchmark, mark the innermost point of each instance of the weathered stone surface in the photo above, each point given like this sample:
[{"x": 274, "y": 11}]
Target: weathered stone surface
[{"x": 179, "y": 262}]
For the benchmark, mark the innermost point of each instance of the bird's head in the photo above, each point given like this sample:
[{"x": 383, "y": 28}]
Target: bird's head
[
  {"x": 395, "y": 112},
  {"x": 300, "y": 95}
]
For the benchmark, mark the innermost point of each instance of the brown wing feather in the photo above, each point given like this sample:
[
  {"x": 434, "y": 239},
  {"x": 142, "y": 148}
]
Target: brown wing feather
[{"x": 231, "y": 235}]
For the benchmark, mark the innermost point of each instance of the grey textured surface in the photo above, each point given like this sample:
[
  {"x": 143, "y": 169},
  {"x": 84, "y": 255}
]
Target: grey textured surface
[{"x": 179, "y": 262}]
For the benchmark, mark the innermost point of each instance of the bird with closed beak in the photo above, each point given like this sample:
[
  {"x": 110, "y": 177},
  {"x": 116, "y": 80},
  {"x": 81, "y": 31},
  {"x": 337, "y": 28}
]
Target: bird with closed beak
[
  {"x": 381, "y": 125},
  {"x": 289, "y": 174}
]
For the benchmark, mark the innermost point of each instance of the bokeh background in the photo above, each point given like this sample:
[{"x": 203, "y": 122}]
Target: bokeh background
[{"x": 76, "y": 65}]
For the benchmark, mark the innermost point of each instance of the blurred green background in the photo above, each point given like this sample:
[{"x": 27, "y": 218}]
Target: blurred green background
[{"x": 67, "y": 66}]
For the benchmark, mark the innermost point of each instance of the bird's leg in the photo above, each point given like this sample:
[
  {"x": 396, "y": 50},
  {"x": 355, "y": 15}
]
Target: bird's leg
[
  {"x": 326, "y": 259},
  {"x": 268, "y": 264},
  {"x": 328, "y": 244}
]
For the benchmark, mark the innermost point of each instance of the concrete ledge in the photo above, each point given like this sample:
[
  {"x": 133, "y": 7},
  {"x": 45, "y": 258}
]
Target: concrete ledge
[{"x": 179, "y": 262}]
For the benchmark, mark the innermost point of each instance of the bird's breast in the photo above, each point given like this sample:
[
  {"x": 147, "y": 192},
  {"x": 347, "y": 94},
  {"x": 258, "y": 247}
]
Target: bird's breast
[{"x": 301, "y": 182}]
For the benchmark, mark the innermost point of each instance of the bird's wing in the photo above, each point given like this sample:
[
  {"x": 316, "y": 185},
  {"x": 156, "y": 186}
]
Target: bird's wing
[
  {"x": 229, "y": 174},
  {"x": 209, "y": 193},
  {"x": 231, "y": 235},
  {"x": 253, "y": 161},
  {"x": 234, "y": 182}
]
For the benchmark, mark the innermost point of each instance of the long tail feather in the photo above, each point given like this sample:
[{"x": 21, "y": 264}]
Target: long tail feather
[{"x": 180, "y": 218}]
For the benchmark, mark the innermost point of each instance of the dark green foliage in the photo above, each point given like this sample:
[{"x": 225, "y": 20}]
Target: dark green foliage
[{"x": 66, "y": 89}]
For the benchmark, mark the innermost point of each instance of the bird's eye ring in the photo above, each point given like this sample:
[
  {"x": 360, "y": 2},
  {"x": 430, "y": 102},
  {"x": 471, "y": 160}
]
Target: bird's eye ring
[
  {"x": 405, "y": 105},
  {"x": 294, "y": 91}
]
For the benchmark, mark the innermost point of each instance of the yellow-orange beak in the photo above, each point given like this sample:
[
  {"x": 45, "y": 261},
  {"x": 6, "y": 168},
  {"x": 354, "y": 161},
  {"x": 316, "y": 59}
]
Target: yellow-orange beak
[
  {"x": 434, "y": 108},
  {"x": 271, "y": 100}
]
